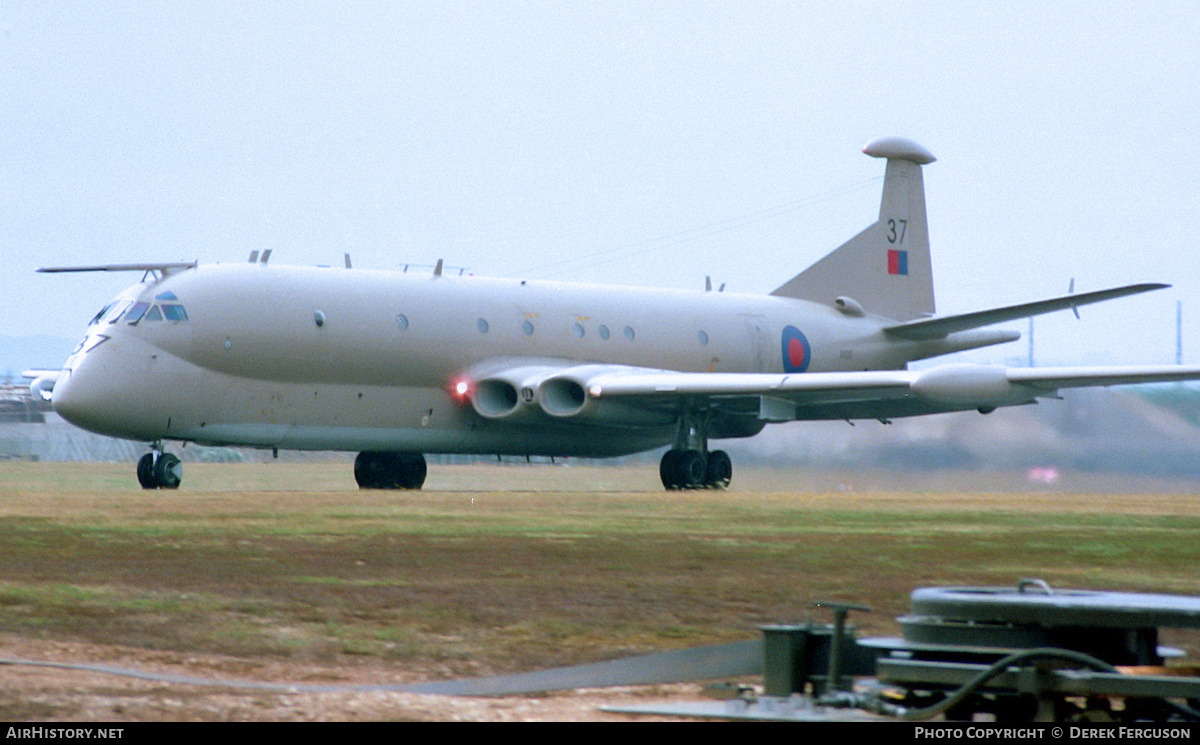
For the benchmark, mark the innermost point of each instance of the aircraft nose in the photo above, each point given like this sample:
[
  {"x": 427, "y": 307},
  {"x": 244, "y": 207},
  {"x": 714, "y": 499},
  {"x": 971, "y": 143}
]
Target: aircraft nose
[
  {"x": 83, "y": 396},
  {"x": 111, "y": 392},
  {"x": 71, "y": 400}
]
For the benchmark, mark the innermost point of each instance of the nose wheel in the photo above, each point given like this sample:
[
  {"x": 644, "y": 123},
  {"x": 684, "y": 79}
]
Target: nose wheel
[{"x": 159, "y": 470}]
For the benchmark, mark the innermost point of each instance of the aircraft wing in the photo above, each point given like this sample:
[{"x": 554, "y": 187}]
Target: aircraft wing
[
  {"x": 936, "y": 328},
  {"x": 42, "y": 381},
  {"x": 1053, "y": 378},
  {"x": 808, "y": 386},
  {"x": 767, "y": 397},
  {"x": 583, "y": 391}
]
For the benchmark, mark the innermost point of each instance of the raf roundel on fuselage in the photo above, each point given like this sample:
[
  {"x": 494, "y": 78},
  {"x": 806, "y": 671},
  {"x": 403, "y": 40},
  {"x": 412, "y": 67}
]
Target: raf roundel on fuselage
[{"x": 797, "y": 353}]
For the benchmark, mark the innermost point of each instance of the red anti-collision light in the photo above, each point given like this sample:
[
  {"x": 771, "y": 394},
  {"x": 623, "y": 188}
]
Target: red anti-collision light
[{"x": 460, "y": 390}]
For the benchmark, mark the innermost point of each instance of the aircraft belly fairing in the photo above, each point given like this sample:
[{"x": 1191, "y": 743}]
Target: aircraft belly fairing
[{"x": 509, "y": 439}]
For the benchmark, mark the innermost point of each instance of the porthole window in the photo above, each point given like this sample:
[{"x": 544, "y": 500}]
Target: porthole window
[
  {"x": 629, "y": 333},
  {"x": 577, "y": 330},
  {"x": 401, "y": 321},
  {"x": 702, "y": 337},
  {"x": 604, "y": 332},
  {"x": 482, "y": 325},
  {"x": 527, "y": 327}
]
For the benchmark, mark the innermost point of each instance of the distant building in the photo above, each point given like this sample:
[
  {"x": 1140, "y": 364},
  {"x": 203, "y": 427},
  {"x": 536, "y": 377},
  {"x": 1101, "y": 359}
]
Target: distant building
[{"x": 17, "y": 404}]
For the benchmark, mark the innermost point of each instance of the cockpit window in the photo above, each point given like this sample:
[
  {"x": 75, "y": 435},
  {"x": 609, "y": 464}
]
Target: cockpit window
[
  {"x": 133, "y": 312},
  {"x": 117, "y": 310},
  {"x": 96, "y": 318},
  {"x": 136, "y": 312},
  {"x": 174, "y": 312}
]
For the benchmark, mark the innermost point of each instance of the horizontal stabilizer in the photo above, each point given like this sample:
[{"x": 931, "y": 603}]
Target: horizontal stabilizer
[
  {"x": 164, "y": 267},
  {"x": 936, "y": 328}
]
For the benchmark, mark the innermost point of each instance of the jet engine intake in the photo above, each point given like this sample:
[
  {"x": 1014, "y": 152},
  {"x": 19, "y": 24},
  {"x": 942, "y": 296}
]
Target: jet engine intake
[
  {"x": 495, "y": 399},
  {"x": 562, "y": 397},
  {"x": 569, "y": 396},
  {"x": 506, "y": 394}
]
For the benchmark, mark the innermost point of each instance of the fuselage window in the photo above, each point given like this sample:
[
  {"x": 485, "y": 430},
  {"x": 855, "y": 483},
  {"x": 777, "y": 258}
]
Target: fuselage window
[
  {"x": 136, "y": 312},
  {"x": 577, "y": 330},
  {"x": 604, "y": 332},
  {"x": 153, "y": 314},
  {"x": 174, "y": 313},
  {"x": 702, "y": 337},
  {"x": 527, "y": 327},
  {"x": 482, "y": 325},
  {"x": 629, "y": 333},
  {"x": 401, "y": 321}
]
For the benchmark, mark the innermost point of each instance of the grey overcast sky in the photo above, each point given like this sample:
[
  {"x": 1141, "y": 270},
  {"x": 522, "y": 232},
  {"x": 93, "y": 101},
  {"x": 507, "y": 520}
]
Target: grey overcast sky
[{"x": 643, "y": 143}]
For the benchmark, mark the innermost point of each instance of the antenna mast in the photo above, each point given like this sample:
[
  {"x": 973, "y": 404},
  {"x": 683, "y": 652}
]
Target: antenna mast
[{"x": 1178, "y": 332}]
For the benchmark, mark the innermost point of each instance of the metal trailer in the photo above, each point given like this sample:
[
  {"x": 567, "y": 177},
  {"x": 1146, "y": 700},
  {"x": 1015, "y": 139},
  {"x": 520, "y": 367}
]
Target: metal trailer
[{"x": 1024, "y": 653}]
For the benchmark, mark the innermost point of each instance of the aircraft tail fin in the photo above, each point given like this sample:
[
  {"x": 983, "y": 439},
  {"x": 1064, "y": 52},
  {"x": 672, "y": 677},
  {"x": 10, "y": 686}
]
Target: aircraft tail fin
[{"x": 886, "y": 268}]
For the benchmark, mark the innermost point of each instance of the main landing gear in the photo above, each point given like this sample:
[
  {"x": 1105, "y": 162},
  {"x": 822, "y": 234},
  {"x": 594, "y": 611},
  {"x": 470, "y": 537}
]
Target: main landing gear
[
  {"x": 690, "y": 464},
  {"x": 695, "y": 469},
  {"x": 159, "y": 470},
  {"x": 389, "y": 470}
]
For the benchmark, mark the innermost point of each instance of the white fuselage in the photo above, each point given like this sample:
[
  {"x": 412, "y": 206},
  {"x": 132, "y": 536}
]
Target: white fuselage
[
  {"x": 347, "y": 359},
  {"x": 396, "y": 364}
]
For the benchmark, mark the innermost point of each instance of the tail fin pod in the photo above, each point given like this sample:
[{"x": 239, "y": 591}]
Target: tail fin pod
[{"x": 886, "y": 268}]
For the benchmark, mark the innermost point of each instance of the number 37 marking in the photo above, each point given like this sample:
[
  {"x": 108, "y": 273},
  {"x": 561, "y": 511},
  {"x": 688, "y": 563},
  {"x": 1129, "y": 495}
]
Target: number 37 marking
[{"x": 896, "y": 230}]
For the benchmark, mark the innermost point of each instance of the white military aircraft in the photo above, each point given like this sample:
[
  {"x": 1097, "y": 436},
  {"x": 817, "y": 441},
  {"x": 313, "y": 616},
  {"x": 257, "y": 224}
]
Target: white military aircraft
[{"x": 398, "y": 364}]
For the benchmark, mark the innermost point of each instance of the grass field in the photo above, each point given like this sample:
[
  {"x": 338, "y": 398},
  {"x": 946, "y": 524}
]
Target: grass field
[{"x": 504, "y": 568}]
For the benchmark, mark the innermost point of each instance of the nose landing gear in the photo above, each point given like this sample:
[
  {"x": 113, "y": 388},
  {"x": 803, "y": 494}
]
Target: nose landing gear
[{"x": 159, "y": 470}]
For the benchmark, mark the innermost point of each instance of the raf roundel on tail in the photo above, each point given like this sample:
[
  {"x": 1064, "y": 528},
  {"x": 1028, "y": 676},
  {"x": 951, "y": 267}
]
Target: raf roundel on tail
[{"x": 318, "y": 358}]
